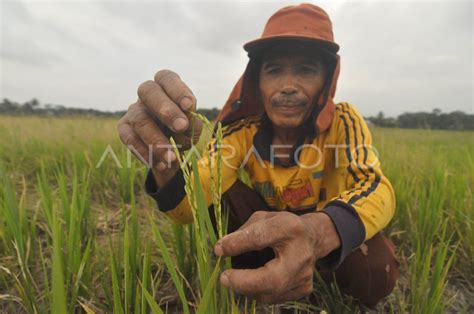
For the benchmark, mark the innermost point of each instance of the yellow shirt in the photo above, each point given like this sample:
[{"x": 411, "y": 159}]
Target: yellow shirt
[{"x": 337, "y": 169}]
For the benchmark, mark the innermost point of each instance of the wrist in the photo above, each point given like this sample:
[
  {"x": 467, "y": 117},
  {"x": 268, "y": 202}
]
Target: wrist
[
  {"x": 164, "y": 176},
  {"x": 326, "y": 237}
]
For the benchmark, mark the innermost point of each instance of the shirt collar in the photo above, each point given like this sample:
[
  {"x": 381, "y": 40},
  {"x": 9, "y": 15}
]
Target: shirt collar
[{"x": 263, "y": 138}]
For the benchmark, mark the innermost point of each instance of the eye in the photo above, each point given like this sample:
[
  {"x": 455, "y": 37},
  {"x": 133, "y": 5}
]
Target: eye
[
  {"x": 309, "y": 69},
  {"x": 273, "y": 70}
]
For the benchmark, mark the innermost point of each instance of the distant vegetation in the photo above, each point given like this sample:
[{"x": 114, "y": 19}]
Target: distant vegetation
[
  {"x": 455, "y": 120},
  {"x": 34, "y": 107}
]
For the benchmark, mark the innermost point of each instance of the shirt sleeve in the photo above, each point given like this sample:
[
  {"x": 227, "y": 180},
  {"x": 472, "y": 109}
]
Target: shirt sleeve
[
  {"x": 172, "y": 199},
  {"x": 367, "y": 204}
]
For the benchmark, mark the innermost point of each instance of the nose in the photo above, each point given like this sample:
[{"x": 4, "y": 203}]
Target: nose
[
  {"x": 289, "y": 89},
  {"x": 289, "y": 85}
]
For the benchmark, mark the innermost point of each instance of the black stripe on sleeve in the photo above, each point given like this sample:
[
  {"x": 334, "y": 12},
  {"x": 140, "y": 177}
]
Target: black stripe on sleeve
[
  {"x": 366, "y": 193},
  {"x": 362, "y": 183},
  {"x": 240, "y": 124},
  {"x": 356, "y": 146},
  {"x": 377, "y": 178},
  {"x": 362, "y": 135},
  {"x": 348, "y": 149},
  {"x": 347, "y": 130},
  {"x": 232, "y": 128}
]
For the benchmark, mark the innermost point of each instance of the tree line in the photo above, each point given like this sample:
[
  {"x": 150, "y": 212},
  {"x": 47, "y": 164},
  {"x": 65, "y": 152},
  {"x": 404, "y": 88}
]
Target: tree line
[
  {"x": 34, "y": 107},
  {"x": 455, "y": 120},
  {"x": 437, "y": 120}
]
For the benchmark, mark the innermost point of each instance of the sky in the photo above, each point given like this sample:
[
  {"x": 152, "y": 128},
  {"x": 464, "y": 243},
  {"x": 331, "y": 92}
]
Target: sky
[{"x": 396, "y": 57}]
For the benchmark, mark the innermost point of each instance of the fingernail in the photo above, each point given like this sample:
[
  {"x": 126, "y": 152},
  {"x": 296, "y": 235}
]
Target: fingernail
[
  {"x": 218, "y": 250},
  {"x": 225, "y": 280},
  {"x": 170, "y": 156},
  {"x": 161, "y": 166},
  {"x": 186, "y": 103},
  {"x": 180, "y": 124}
]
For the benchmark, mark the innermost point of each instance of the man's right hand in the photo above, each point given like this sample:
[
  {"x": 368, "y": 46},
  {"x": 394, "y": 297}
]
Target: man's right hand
[{"x": 162, "y": 110}]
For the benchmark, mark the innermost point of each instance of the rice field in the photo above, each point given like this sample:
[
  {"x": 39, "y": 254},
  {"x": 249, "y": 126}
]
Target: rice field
[{"x": 79, "y": 235}]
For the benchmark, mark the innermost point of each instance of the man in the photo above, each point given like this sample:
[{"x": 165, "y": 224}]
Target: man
[{"x": 319, "y": 197}]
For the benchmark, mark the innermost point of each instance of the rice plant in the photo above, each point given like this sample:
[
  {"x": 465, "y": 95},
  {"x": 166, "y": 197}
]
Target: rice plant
[
  {"x": 78, "y": 237},
  {"x": 210, "y": 297}
]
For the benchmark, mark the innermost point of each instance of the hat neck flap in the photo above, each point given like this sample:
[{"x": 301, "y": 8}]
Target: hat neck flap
[{"x": 244, "y": 100}]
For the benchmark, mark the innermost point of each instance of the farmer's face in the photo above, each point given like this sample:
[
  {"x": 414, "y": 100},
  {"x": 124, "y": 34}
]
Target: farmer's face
[{"x": 290, "y": 82}]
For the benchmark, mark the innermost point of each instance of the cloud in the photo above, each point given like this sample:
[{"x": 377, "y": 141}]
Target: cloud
[
  {"x": 414, "y": 56},
  {"x": 396, "y": 56},
  {"x": 19, "y": 40}
]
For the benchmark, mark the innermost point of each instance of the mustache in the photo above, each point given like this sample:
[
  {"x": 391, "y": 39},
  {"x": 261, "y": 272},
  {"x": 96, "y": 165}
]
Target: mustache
[{"x": 289, "y": 101}]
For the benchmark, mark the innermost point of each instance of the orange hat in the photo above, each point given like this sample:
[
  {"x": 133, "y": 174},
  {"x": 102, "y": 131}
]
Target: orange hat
[{"x": 304, "y": 22}]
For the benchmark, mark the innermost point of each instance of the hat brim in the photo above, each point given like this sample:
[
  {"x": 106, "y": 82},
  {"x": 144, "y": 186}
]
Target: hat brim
[{"x": 254, "y": 46}]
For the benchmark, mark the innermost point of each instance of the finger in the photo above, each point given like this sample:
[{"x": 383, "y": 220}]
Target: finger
[
  {"x": 133, "y": 141},
  {"x": 254, "y": 237},
  {"x": 146, "y": 129},
  {"x": 189, "y": 137},
  {"x": 142, "y": 151},
  {"x": 157, "y": 101},
  {"x": 256, "y": 216},
  {"x": 176, "y": 89},
  {"x": 252, "y": 282}
]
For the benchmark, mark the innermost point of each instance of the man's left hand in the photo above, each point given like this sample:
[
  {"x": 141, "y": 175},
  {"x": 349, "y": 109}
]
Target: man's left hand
[{"x": 298, "y": 242}]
